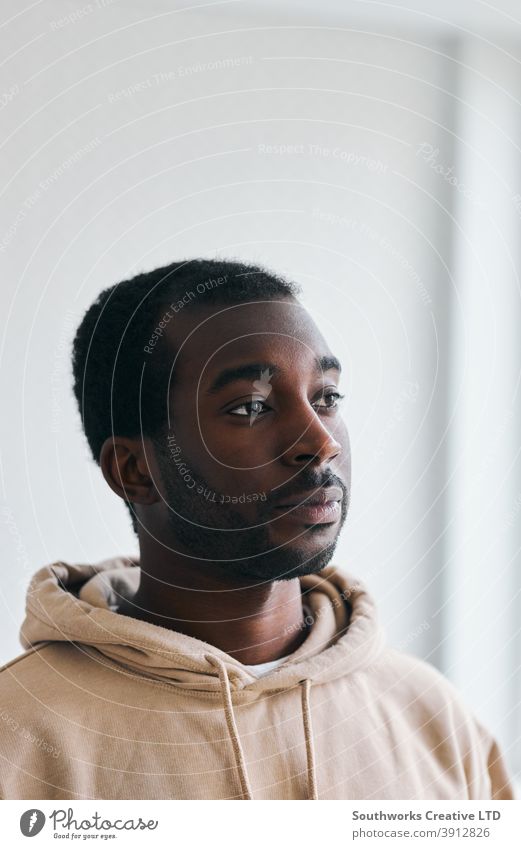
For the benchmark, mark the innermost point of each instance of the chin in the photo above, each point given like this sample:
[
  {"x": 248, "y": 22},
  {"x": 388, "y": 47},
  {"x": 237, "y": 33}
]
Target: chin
[
  {"x": 300, "y": 571},
  {"x": 313, "y": 543},
  {"x": 284, "y": 563},
  {"x": 306, "y": 560}
]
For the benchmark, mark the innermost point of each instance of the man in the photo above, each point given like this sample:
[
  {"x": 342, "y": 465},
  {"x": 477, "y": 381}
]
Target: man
[{"x": 229, "y": 661}]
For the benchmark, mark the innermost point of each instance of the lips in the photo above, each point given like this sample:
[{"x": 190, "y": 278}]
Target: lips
[
  {"x": 314, "y": 507},
  {"x": 312, "y": 496}
]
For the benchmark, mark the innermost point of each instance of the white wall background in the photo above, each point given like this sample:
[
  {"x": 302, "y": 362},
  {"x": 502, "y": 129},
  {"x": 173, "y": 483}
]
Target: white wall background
[{"x": 125, "y": 146}]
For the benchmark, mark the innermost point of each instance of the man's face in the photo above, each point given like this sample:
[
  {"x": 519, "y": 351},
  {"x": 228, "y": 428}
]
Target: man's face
[{"x": 254, "y": 436}]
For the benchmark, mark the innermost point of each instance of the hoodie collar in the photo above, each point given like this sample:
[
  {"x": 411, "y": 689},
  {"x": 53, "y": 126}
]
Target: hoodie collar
[{"x": 77, "y": 603}]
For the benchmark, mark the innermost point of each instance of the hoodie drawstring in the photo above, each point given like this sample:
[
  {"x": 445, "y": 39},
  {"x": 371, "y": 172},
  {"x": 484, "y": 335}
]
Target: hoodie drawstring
[
  {"x": 240, "y": 761},
  {"x": 308, "y": 735},
  {"x": 232, "y": 726}
]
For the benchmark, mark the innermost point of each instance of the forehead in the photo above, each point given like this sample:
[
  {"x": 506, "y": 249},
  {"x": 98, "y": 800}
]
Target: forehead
[{"x": 208, "y": 337}]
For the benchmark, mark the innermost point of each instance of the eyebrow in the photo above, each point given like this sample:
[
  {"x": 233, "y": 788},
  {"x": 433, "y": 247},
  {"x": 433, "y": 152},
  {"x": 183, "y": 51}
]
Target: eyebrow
[{"x": 253, "y": 371}]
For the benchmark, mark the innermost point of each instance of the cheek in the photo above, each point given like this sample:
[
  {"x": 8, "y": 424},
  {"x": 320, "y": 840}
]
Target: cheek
[
  {"x": 238, "y": 447},
  {"x": 231, "y": 460},
  {"x": 343, "y": 461}
]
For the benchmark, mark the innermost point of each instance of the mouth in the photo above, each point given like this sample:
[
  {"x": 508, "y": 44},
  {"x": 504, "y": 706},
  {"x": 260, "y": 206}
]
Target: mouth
[{"x": 314, "y": 507}]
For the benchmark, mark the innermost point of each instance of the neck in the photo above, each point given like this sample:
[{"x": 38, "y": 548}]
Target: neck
[{"x": 254, "y": 624}]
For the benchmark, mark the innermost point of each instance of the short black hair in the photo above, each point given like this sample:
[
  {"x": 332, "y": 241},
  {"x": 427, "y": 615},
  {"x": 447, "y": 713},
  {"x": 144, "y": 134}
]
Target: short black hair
[{"x": 110, "y": 356}]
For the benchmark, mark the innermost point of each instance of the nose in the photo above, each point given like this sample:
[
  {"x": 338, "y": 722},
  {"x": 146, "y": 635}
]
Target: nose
[{"x": 308, "y": 440}]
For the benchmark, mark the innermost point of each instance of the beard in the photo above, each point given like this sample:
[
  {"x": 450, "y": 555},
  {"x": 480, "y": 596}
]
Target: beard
[{"x": 240, "y": 549}]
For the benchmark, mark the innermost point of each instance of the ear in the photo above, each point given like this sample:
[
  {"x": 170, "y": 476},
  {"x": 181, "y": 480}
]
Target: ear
[{"x": 126, "y": 465}]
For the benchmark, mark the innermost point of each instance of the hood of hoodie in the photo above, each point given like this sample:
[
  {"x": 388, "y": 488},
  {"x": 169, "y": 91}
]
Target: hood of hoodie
[
  {"x": 143, "y": 712},
  {"x": 77, "y": 603}
]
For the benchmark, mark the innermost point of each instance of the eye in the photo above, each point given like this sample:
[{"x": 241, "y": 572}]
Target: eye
[
  {"x": 335, "y": 397},
  {"x": 249, "y": 408}
]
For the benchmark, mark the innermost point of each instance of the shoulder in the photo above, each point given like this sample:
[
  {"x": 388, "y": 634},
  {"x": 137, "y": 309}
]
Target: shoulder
[
  {"x": 414, "y": 673},
  {"x": 418, "y": 687},
  {"x": 39, "y": 672},
  {"x": 31, "y": 659},
  {"x": 18, "y": 667},
  {"x": 432, "y": 712}
]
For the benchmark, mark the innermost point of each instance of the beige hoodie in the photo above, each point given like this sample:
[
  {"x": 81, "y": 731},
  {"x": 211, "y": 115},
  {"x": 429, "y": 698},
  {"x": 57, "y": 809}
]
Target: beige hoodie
[{"x": 104, "y": 706}]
